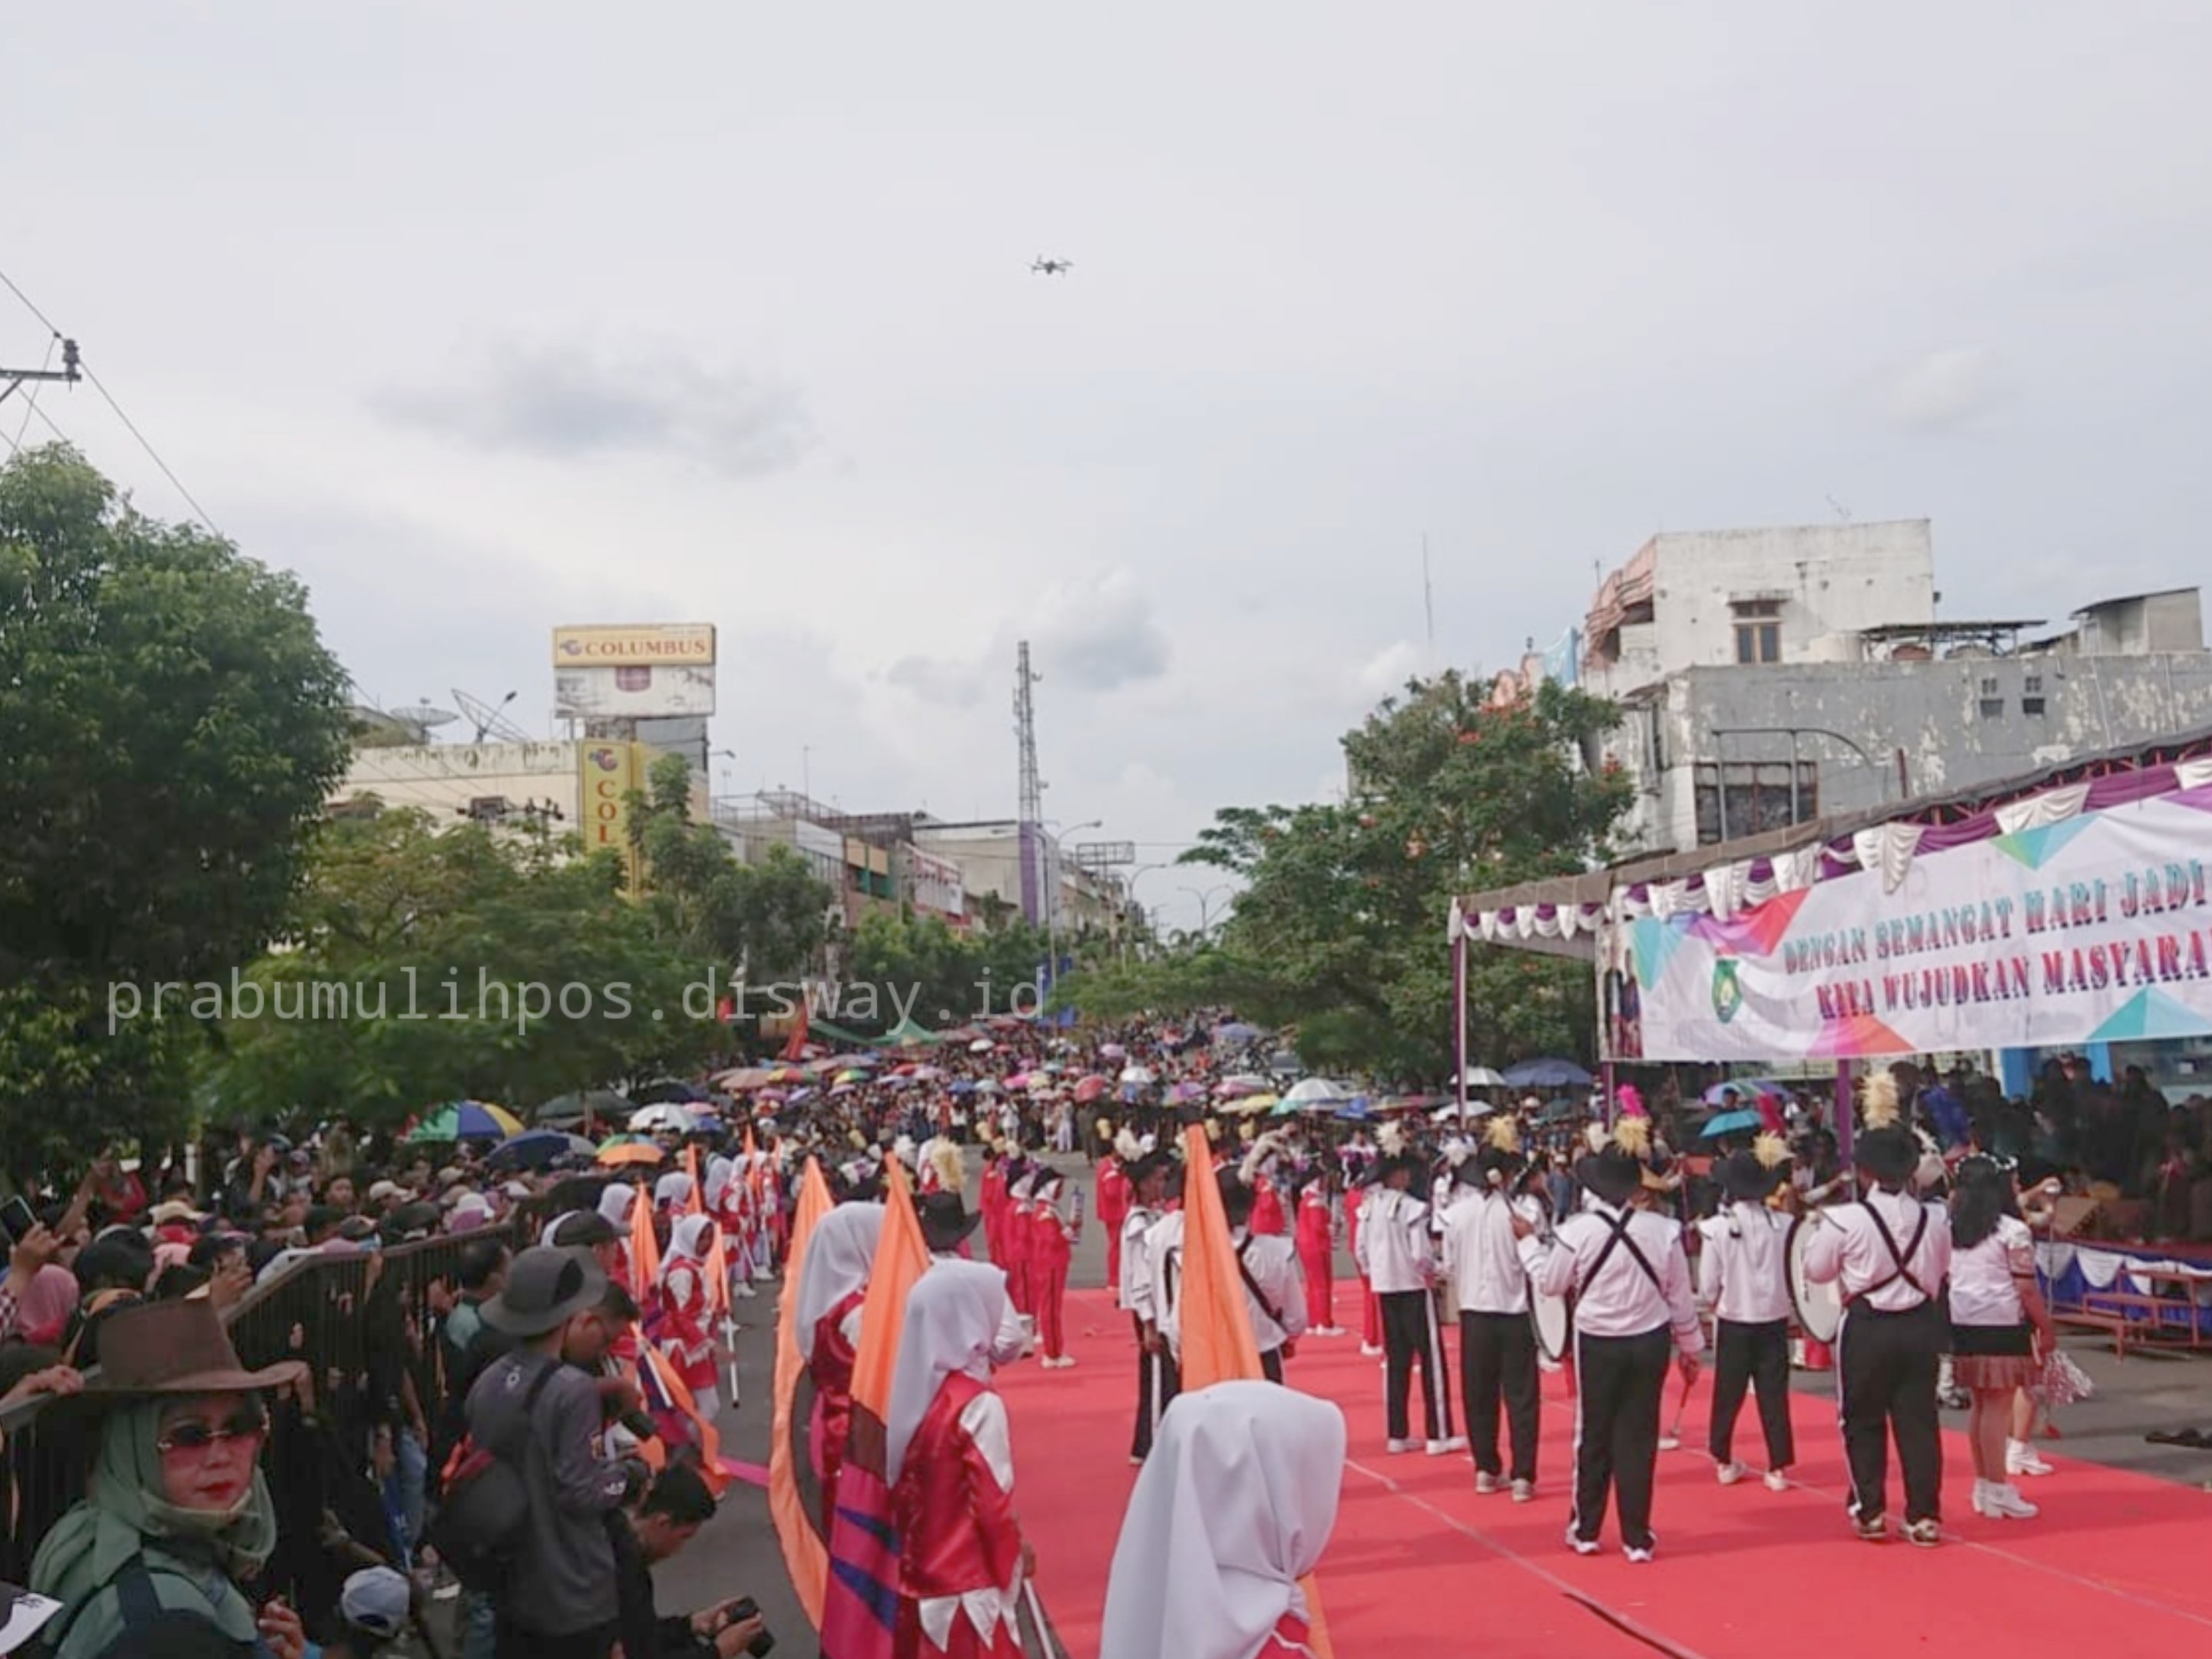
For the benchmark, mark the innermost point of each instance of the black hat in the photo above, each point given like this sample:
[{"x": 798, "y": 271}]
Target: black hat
[
  {"x": 1890, "y": 1154},
  {"x": 545, "y": 1289},
  {"x": 1745, "y": 1175},
  {"x": 945, "y": 1221},
  {"x": 1611, "y": 1173},
  {"x": 582, "y": 1230}
]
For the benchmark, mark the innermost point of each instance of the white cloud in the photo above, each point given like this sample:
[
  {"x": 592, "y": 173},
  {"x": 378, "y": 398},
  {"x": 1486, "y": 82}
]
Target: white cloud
[
  {"x": 1098, "y": 633},
  {"x": 1943, "y": 390}
]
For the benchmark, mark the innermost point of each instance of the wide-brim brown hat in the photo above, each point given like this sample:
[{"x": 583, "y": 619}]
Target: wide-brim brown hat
[{"x": 176, "y": 1348}]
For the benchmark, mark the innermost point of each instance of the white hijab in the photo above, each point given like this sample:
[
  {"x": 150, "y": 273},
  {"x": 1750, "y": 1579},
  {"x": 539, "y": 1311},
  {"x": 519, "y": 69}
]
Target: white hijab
[
  {"x": 720, "y": 1171},
  {"x": 687, "y": 1244},
  {"x": 615, "y": 1201},
  {"x": 840, "y": 1252},
  {"x": 673, "y": 1188},
  {"x": 1234, "y": 1506},
  {"x": 952, "y": 1317}
]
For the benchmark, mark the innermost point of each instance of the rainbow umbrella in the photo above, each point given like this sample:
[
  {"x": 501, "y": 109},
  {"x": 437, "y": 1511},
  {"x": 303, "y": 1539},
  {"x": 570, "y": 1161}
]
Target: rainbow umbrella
[{"x": 467, "y": 1120}]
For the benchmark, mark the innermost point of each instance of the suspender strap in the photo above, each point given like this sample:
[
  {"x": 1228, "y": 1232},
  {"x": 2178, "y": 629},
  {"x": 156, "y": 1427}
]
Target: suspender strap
[
  {"x": 1252, "y": 1285},
  {"x": 1899, "y": 1259},
  {"x": 1620, "y": 1235}
]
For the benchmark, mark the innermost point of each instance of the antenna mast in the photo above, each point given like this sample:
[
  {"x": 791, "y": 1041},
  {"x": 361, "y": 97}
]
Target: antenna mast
[{"x": 1032, "y": 786}]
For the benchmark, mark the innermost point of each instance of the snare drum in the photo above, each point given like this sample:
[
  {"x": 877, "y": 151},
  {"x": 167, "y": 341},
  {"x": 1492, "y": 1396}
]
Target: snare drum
[{"x": 1819, "y": 1307}]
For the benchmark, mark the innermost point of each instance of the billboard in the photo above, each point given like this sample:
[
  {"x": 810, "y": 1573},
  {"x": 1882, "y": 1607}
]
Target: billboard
[
  {"x": 607, "y": 774},
  {"x": 634, "y": 691},
  {"x": 2094, "y": 928},
  {"x": 634, "y": 644}
]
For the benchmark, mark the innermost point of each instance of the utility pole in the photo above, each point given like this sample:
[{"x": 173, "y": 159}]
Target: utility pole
[
  {"x": 1035, "y": 905},
  {"x": 70, "y": 372}
]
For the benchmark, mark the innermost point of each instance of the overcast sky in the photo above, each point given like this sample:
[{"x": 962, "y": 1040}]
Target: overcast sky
[{"x": 487, "y": 318}]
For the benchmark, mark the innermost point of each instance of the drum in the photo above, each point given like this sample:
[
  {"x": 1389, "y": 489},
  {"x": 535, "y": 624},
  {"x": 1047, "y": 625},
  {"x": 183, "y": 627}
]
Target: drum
[
  {"x": 1552, "y": 1318},
  {"x": 1819, "y": 1307}
]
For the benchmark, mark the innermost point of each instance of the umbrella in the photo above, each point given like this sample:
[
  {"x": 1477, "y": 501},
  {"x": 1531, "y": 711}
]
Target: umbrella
[
  {"x": 667, "y": 1115},
  {"x": 1451, "y": 1113},
  {"x": 628, "y": 1149},
  {"x": 566, "y": 1111},
  {"x": 1184, "y": 1094},
  {"x": 790, "y": 1074},
  {"x": 1252, "y": 1106},
  {"x": 1017, "y": 1082},
  {"x": 980, "y": 1046},
  {"x": 1088, "y": 1089},
  {"x": 1244, "y": 1083},
  {"x": 663, "y": 1090},
  {"x": 1137, "y": 1076},
  {"x": 961, "y": 1086},
  {"x": 535, "y": 1149},
  {"x": 1730, "y": 1123},
  {"x": 745, "y": 1078},
  {"x": 852, "y": 1074},
  {"x": 1236, "y": 1032},
  {"x": 1314, "y": 1091},
  {"x": 1112, "y": 1051},
  {"x": 1354, "y": 1111},
  {"x": 468, "y": 1120},
  {"x": 1547, "y": 1072},
  {"x": 1481, "y": 1077}
]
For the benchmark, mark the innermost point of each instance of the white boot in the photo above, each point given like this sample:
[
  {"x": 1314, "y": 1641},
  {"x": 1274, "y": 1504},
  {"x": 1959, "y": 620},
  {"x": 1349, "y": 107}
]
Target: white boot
[
  {"x": 2004, "y": 1502},
  {"x": 2020, "y": 1459}
]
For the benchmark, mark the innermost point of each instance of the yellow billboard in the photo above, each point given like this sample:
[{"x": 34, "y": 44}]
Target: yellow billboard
[
  {"x": 634, "y": 644},
  {"x": 609, "y": 772}
]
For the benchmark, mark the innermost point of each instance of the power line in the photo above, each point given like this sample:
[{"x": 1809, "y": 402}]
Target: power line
[{"x": 27, "y": 304}]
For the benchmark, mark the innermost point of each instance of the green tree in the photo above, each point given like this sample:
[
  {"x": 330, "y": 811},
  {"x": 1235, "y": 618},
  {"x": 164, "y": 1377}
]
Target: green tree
[
  {"x": 1338, "y": 928},
  {"x": 170, "y": 724}
]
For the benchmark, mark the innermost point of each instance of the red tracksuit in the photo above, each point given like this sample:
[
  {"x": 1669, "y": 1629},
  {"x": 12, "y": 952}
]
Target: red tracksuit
[{"x": 1317, "y": 1255}]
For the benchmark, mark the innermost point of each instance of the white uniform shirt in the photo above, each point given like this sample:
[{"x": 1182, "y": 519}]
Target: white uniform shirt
[
  {"x": 1982, "y": 1291},
  {"x": 1163, "y": 1270},
  {"x": 1481, "y": 1255},
  {"x": 1743, "y": 1272},
  {"x": 1394, "y": 1242},
  {"x": 1619, "y": 1298},
  {"x": 1136, "y": 1264},
  {"x": 1847, "y": 1248},
  {"x": 1272, "y": 1261}
]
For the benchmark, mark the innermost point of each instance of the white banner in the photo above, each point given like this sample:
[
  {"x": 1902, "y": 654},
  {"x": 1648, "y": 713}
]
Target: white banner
[{"x": 2090, "y": 928}]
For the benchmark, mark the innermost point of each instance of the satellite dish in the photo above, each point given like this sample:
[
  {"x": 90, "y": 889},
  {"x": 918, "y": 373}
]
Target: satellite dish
[{"x": 419, "y": 717}]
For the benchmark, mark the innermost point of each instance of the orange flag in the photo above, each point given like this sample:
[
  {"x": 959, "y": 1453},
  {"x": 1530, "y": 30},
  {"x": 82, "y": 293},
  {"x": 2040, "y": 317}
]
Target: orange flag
[
  {"x": 644, "y": 1248},
  {"x": 804, "y": 1555},
  {"x": 1215, "y": 1323}
]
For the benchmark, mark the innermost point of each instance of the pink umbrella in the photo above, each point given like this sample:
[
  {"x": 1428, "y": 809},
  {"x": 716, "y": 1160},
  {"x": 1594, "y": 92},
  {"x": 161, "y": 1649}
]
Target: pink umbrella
[
  {"x": 1089, "y": 1088},
  {"x": 1019, "y": 1080}
]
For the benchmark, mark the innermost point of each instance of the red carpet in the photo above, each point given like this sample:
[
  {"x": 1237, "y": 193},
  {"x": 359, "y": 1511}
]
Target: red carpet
[{"x": 2113, "y": 1566}]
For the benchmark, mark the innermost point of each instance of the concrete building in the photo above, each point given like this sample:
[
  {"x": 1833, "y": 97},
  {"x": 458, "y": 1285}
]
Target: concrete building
[
  {"x": 487, "y": 782},
  {"x": 1769, "y": 677}
]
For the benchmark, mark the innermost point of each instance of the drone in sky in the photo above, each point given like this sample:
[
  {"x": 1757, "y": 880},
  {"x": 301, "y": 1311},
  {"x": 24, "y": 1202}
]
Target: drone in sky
[{"x": 1044, "y": 267}]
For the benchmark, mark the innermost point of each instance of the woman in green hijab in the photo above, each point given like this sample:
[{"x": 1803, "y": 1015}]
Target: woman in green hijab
[{"x": 177, "y": 1512}]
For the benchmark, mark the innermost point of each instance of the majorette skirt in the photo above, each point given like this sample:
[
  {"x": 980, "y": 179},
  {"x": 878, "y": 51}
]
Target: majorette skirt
[{"x": 1986, "y": 1357}]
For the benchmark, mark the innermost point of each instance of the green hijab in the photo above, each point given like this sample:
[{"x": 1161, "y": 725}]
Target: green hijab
[{"x": 124, "y": 1514}]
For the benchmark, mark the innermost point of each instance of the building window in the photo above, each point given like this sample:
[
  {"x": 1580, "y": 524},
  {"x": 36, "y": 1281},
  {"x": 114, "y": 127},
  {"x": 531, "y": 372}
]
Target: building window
[
  {"x": 1760, "y": 795},
  {"x": 1992, "y": 699},
  {"x": 1757, "y": 642},
  {"x": 2031, "y": 694}
]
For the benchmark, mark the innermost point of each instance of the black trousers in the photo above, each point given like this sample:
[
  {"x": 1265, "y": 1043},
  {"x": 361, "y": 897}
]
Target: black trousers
[
  {"x": 511, "y": 1641},
  {"x": 1619, "y": 1381},
  {"x": 1156, "y": 1375},
  {"x": 1270, "y": 1364},
  {"x": 1756, "y": 1356},
  {"x": 1409, "y": 1337},
  {"x": 1885, "y": 1366},
  {"x": 1498, "y": 1364}
]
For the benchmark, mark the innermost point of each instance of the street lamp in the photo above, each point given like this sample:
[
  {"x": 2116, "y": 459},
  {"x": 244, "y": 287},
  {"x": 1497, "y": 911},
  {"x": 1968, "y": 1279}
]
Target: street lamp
[
  {"x": 1205, "y": 900},
  {"x": 1052, "y": 893}
]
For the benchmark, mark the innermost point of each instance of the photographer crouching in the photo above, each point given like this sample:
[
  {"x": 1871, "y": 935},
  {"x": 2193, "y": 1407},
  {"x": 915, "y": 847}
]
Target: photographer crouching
[{"x": 666, "y": 1518}]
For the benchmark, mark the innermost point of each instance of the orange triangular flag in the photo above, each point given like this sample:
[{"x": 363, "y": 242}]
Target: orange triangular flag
[
  {"x": 901, "y": 1258},
  {"x": 644, "y": 1248},
  {"x": 1213, "y": 1320},
  {"x": 805, "y": 1555}
]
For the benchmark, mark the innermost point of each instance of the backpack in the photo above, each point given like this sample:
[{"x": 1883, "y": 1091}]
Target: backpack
[{"x": 483, "y": 1507}]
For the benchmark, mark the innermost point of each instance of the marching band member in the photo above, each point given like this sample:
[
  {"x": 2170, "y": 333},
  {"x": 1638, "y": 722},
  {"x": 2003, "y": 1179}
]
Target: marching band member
[
  {"x": 687, "y": 1310},
  {"x": 1633, "y": 1303},
  {"x": 1490, "y": 1288},
  {"x": 1316, "y": 1242},
  {"x": 949, "y": 1458},
  {"x": 1113, "y": 1184},
  {"x": 1148, "y": 1176},
  {"x": 992, "y": 1197},
  {"x": 1396, "y": 1255},
  {"x": 1018, "y": 1231},
  {"x": 833, "y": 1284},
  {"x": 1890, "y": 1252},
  {"x": 1359, "y": 1189},
  {"x": 616, "y": 1199},
  {"x": 1743, "y": 1277},
  {"x": 1055, "y": 1222},
  {"x": 1998, "y": 1324},
  {"x": 1274, "y": 1295}
]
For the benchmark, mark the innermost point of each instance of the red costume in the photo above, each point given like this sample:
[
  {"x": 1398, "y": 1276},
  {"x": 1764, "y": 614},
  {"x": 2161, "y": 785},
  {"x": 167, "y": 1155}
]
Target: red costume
[
  {"x": 1113, "y": 1200},
  {"x": 1015, "y": 1233},
  {"x": 686, "y": 1311},
  {"x": 836, "y": 1344},
  {"x": 992, "y": 1203},
  {"x": 960, "y": 1552},
  {"x": 1317, "y": 1256},
  {"x": 1053, "y": 1230},
  {"x": 1267, "y": 1209}
]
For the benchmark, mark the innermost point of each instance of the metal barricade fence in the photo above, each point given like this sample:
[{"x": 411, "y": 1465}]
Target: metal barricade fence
[{"x": 359, "y": 1321}]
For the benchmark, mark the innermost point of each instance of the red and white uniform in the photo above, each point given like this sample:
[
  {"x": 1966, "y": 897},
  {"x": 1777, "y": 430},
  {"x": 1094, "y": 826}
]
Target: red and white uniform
[
  {"x": 1233, "y": 1508},
  {"x": 832, "y": 1287},
  {"x": 836, "y": 1345},
  {"x": 1316, "y": 1242},
  {"x": 687, "y": 1308},
  {"x": 950, "y": 1463},
  {"x": 992, "y": 1203},
  {"x": 1055, "y": 1222},
  {"x": 1015, "y": 1232},
  {"x": 1113, "y": 1200},
  {"x": 1267, "y": 1218}
]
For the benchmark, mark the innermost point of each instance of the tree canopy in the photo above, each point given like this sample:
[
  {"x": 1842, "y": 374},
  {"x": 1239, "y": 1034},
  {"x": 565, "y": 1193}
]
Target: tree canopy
[
  {"x": 1338, "y": 928},
  {"x": 173, "y": 724}
]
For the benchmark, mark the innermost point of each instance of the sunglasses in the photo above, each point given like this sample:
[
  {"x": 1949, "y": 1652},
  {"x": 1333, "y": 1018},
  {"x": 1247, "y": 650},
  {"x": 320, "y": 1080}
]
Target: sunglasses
[{"x": 194, "y": 1438}]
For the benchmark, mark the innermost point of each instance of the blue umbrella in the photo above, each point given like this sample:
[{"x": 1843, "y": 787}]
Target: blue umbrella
[
  {"x": 1730, "y": 1123},
  {"x": 1354, "y": 1110},
  {"x": 1236, "y": 1032},
  {"x": 960, "y": 1086},
  {"x": 538, "y": 1148},
  {"x": 1549, "y": 1072}
]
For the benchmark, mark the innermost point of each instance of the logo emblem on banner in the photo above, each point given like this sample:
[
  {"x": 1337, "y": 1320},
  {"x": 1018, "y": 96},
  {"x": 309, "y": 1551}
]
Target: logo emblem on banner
[{"x": 1727, "y": 991}]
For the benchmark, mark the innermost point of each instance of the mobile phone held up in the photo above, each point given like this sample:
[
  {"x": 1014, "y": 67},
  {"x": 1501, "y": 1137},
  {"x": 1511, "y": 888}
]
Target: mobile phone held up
[{"x": 16, "y": 1218}]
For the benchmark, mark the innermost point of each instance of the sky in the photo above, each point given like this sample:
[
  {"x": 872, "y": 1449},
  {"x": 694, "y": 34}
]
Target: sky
[{"x": 487, "y": 319}]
